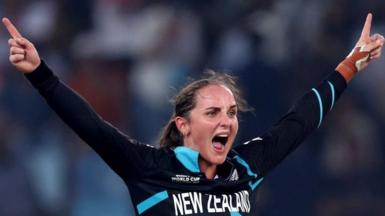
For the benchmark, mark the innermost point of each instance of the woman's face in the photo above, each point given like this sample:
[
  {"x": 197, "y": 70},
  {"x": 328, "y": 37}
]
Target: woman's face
[{"x": 212, "y": 124}]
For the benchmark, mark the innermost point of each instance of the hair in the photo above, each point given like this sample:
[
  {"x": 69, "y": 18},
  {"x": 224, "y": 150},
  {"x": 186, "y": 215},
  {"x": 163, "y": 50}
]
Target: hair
[{"x": 185, "y": 100}]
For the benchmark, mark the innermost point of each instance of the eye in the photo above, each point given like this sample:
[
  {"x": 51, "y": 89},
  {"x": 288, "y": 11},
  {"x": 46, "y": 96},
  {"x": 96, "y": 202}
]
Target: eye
[
  {"x": 212, "y": 113},
  {"x": 232, "y": 113}
]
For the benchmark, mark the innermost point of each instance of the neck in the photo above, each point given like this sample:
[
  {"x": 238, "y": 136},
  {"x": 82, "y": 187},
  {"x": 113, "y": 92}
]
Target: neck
[{"x": 210, "y": 170}]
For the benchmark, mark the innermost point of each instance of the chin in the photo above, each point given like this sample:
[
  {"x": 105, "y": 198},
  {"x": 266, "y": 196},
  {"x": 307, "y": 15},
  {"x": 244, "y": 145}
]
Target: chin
[{"x": 218, "y": 160}]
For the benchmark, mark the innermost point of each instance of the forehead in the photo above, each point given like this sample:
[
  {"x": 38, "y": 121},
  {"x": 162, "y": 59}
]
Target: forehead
[{"x": 215, "y": 95}]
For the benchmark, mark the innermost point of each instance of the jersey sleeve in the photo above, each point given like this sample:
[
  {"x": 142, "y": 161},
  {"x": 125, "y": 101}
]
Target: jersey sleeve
[
  {"x": 127, "y": 157},
  {"x": 267, "y": 151}
]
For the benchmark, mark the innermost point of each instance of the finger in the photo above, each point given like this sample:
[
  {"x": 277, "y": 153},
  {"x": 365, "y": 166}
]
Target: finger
[
  {"x": 17, "y": 50},
  {"x": 381, "y": 41},
  {"x": 370, "y": 47},
  {"x": 376, "y": 56},
  {"x": 24, "y": 42},
  {"x": 20, "y": 41},
  {"x": 365, "y": 34},
  {"x": 376, "y": 37},
  {"x": 379, "y": 38},
  {"x": 12, "y": 43},
  {"x": 376, "y": 51},
  {"x": 16, "y": 58},
  {"x": 379, "y": 48},
  {"x": 11, "y": 28}
]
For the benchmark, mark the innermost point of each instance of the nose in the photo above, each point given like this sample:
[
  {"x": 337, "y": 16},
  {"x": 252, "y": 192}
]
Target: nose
[{"x": 225, "y": 121}]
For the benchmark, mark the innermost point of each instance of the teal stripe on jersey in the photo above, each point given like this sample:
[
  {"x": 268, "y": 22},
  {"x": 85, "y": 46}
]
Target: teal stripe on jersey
[
  {"x": 320, "y": 106},
  {"x": 253, "y": 186},
  {"x": 243, "y": 163},
  {"x": 333, "y": 94},
  {"x": 150, "y": 202},
  {"x": 249, "y": 172}
]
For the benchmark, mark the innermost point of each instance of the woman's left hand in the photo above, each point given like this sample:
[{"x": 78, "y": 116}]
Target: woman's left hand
[{"x": 367, "y": 48}]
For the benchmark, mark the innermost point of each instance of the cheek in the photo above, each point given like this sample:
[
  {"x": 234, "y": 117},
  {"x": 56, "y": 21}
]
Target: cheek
[
  {"x": 234, "y": 130},
  {"x": 235, "y": 125},
  {"x": 203, "y": 130}
]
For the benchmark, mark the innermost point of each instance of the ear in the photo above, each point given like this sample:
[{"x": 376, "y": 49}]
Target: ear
[{"x": 182, "y": 125}]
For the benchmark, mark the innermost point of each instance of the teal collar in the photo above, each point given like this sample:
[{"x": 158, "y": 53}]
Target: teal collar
[{"x": 188, "y": 157}]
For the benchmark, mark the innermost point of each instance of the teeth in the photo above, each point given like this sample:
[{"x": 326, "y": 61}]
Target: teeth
[{"x": 222, "y": 135}]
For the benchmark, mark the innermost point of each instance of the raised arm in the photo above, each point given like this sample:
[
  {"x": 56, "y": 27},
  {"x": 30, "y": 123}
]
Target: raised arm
[
  {"x": 307, "y": 114},
  {"x": 125, "y": 156}
]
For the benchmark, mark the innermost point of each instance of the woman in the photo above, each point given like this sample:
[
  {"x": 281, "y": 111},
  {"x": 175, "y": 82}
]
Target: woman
[{"x": 196, "y": 171}]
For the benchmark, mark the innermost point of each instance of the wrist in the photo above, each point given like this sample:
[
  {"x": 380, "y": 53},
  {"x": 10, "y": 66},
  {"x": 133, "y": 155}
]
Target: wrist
[{"x": 355, "y": 62}]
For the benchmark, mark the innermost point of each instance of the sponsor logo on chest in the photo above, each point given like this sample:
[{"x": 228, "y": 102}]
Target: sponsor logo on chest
[
  {"x": 191, "y": 203},
  {"x": 185, "y": 179}
]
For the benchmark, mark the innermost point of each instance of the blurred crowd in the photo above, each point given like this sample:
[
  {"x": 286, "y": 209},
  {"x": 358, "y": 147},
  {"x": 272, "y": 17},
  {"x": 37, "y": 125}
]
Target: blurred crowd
[{"x": 128, "y": 58}]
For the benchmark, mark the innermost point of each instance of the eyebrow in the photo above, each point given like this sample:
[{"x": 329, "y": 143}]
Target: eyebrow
[
  {"x": 218, "y": 108},
  {"x": 234, "y": 106}
]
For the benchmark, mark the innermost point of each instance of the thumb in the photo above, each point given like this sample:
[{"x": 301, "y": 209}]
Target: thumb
[{"x": 24, "y": 42}]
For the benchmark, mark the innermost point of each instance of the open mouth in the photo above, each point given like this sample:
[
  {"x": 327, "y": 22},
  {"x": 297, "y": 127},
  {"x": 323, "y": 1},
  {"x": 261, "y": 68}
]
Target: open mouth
[
  {"x": 220, "y": 139},
  {"x": 219, "y": 142}
]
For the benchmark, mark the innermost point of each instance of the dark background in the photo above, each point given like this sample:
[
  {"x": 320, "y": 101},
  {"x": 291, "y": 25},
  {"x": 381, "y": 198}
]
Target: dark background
[{"x": 128, "y": 57}]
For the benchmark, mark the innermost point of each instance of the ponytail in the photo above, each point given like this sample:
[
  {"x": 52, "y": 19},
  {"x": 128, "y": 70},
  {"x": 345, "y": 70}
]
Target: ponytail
[{"x": 171, "y": 136}]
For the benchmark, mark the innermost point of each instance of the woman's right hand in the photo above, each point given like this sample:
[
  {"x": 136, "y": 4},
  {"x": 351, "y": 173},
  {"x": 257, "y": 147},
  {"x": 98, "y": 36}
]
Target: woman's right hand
[{"x": 22, "y": 53}]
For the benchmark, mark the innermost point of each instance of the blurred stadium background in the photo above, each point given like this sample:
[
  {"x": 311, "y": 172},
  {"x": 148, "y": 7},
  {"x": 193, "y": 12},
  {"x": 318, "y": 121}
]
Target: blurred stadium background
[{"x": 128, "y": 57}]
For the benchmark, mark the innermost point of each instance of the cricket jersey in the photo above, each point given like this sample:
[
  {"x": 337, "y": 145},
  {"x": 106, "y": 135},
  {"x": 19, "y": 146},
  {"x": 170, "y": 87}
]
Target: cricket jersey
[{"x": 168, "y": 181}]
